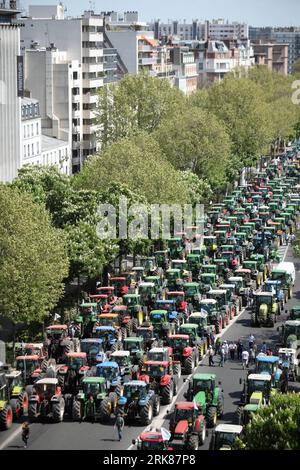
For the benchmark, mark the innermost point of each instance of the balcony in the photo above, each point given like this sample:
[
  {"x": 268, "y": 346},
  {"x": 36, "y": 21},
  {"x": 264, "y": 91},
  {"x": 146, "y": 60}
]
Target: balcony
[
  {"x": 92, "y": 82},
  {"x": 110, "y": 66},
  {"x": 110, "y": 52},
  {"x": 89, "y": 98},
  {"x": 92, "y": 51},
  {"x": 76, "y": 98},
  {"x": 92, "y": 68},
  {"x": 145, "y": 48},
  {"x": 76, "y": 145},
  {"x": 76, "y": 113},
  {"x": 148, "y": 61},
  {"x": 89, "y": 114},
  {"x": 92, "y": 37}
]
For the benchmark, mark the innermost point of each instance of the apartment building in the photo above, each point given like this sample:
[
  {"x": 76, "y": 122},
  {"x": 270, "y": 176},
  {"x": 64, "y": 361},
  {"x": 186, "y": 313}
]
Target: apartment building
[
  {"x": 274, "y": 56},
  {"x": 11, "y": 92},
  {"x": 73, "y": 75},
  {"x": 39, "y": 149},
  {"x": 186, "y": 74}
]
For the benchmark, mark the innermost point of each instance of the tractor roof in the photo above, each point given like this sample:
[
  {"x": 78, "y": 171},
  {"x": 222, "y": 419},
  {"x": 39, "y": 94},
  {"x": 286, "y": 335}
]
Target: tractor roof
[
  {"x": 158, "y": 312},
  {"x": 131, "y": 296},
  {"x": 13, "y": 374},
  {"x": 120, "y": 308},
  {"x": 227, "y": 286},
  {"x": 156, "y": 363},
  {"x": 57, "y": 327},
  {"x": 273, "y": 283},
  {"x": 136, "y": 383},
  {"x": 191, "y": 284},
  {"x": 120, "y": 354},
  {"x": 134, "y": 339},
  {"x": 173, "y": 271},
  {"x": 104, "y": 365},
  {"x": 34, "y": 346},
  {"x": 168, "y": 301},
  {"x": 27, "y": 358},
  {"x": 185, "y": 405},
  {"x": 198, "y": 315},
  {"x": 47, "y": 381},
  {"x": 91, "y": 340},
  {"x": 292, "y": 323},
  {"x": 204, "y": 377},
  {"x": 251, "y": 407},
  {"x": 154, "y": 278},
  {"x": 260, "y": 377},
  {"x": 146, "y": 284},
  {"x": 181, "y": 261},
  {"x": 88, "y": 305},
  {"x": 114, "y": 316},
  {"x": 179, "y": 337},
  {"x": 106, "y": 288},
  {"x": 229, "y": 428},
  {"x": 208, "y": 301},
  {"x": 155, "y": 435},
  {"x": 244, "y": 271},
  {"x": 188, "y": 326},
  {"x": 81, "y": 355},
  {"x": 178, "y": 293},
  {"x": 263, "y": 294},
  {"x": 94, "y": 380},
  {"x": 117, "y": 279},
  {"x": 269, "y": 359},
  {"x": 287, "y": 351},
  {"x": 217, "y": 292},
  {"x": 105, "y": 328}
]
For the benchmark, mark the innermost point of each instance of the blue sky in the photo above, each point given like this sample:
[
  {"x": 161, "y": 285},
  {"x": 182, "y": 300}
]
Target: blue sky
[{"x": 254, "y": 12}]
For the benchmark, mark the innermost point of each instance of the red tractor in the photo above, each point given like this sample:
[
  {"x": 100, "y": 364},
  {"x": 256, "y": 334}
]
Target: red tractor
[
  {"x": 70, "y": 375},
  {"x": 181, "y": 304},
  {"x": 47, "y": 401},
  {"x": 102, "y": 301},
  {"x": 110, "y": 292},
  {"x": 30, "y": 367},
  {"x": 153, "y": 439},
  {"x": 184, "y": 351},
  {"x": 125, "y": 319},
  {"x": 161, "y": 377},
  {"x": 120, "y": 285},
  {"x": 187, "y": 426},
  {"x": 59, "y": 343}
]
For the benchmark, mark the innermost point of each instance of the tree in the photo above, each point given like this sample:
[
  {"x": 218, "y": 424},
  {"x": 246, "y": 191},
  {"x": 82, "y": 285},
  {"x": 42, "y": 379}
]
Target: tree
[
  {"x": 138, "y": 102},
  {"x": 296, "y": 67},
  {"x": 139, "y": 163},
  {"x": 274, "y": 427},
  {"x": 239, "y": 103},
  {"x": 196, "y": 142},
  {"x": 33, "y": 259},
  {"x": 199, "y": 191}
]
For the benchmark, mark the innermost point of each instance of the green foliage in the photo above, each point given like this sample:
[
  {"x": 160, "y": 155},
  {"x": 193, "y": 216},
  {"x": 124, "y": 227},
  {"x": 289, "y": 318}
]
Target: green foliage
[
  {"x": 197, "y": 142},
  {"x": 200, "y": 191},
  {"x": 139, "y": 163},
  {"x": 33, "y": 258},
  {"x": 274, "y": 427},
  {"x": 138, "y": 102}
]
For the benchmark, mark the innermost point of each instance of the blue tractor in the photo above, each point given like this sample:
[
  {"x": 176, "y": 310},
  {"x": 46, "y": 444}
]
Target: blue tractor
[
  {"x": 110, "y": 371},
  {"x": 275, "y": 287},
  {"x": 268, "y": 365},
  {"x": 171, "y": 306},
  {"x": 110, "y": 338},
  {"x": 93, "y": 347},
  {"x": 139, "y": 402}
]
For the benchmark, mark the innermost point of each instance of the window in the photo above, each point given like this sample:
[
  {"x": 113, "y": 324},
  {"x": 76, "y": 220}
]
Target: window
[
  {"x": 28, "y": 148},
  {"x": 31, "y": 130},
  {"x": 24, "y": 127},
  {"x": 38, "y": 148},
  {"x": 25, "y": 151},
  {"x": 32, "y": 149},
  {"x": 37, "y": 128}
]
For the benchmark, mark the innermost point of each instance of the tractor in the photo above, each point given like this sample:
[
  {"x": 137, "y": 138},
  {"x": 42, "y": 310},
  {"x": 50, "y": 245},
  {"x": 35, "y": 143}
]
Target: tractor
[
  {"x": 175, "y": 248},
  {"x": 256, "y": 392},
  {"x": 115, "y": 321},
  {"x": 214, "y": 316},
  {"x": 162, "y": 259},
  {"x": 233, "y": 298},
  {"x": 290, "y": 334},
  {"x": 153, "y": 440},
  {"x": 93, "y": 401},
  {"x": 46, "y": 401},
  {"x": 224, "y": 437},
  {"x": 120, "y": 285},
  {"x": 262, "y": 265},
  {"x": 59, "y": 343},
  {"x": 174, "y": 279},
  {"x": 110, "y": 337},
  {"x": 265, "y": 309},
  {"x": 245, "y": 274},
  {"x": 30, "y": 368},
  {"x": 184, "y": 351},
  {"x": 161, "y": 324},
  {"x": 18, "y": 397},
  {"x": 208, "y": 281},
  {"x": 124, "y": 361},
  {"x": 164, "y": 354},
  {"x": 171, "y": 307},
  {"x": 275, "y": 288},
  {"x": 294, "y": 313},
  {"x": 225, "y": 305},
  {"x": 87, "y": 319},
  {"x": 133, "y": 304},
  {"x": 162, "y": 380},
  {"x": 188, "y": 426},
  {"x": 289, "y": 356},
  {"x": 181, "y": 304},
  {"x": 204, "y": 329},
  {"x": 136, "y": 348},
  {"x": 125, "y": 321},
  {"x": 93, "y": 347},
  {"x": 268, "y": 365},
  {"x": 6, "y": 412},
  {"x": 111, "y": 372},
  {"x": 138, "y": 402},
  {"x": 70, "y": 374},
  {"x": 192, "y": 293},
  {"x": 194, "y": 264},
  {"x": 286, "y": 282},
  {"x": 191, "y": 329},
  {"x": 256, "y": 276},
  {"x": 147, "y": 292},
  {"x": 208, "y": 397},
  {"x": 146, "y": 331},
  {"x": 211, "y": 244}
]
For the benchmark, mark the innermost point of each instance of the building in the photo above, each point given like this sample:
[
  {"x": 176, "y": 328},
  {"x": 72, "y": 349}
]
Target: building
[
  {"x": 74, "y": 72},
  {"x": 186, "y": 74},
  {"x": 218, "y": 30},
  {"x": 11, "y": 91},
  {"x": 39, "y": 149},
  {"x": 274, "y": 56}
]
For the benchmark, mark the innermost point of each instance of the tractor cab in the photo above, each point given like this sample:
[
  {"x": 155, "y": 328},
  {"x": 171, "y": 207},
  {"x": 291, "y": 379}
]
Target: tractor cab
[
  {"x": 110, "y": 371},
  {"x": 107, "y": 334},
  {"x": 147, "y": 292},
  {"x": 224, "y": 437},
  {"x": 161, "y": 258},
  {"x": 246, "y": 275},
  {"x": 170, "y": 306},
  {"x": 190, "y": 329},
  {"x": 154, "y": 369},
  {"x": 120, "y": 285},
  {"x": 258, "y": 388},
  {"x": 57, "y": 332},
  {"x": 192, "y": 292},
  {"x": 29, "y": 366},
  {"x": 76, "y": 361},
  {"x": 159, "y": 354},
  {"x": 294, "y": 313},
  {"x": 208, "y": 281},
  {"x": 146, "y": 331},
  {"x": 179, "y": 298},
  {"x": 34, "y": 349},
  {"x": 149, "y": 264},
  {"x": 133, "y": 304},
  {"x": 153, "y": 440},
  {"x": 202, "y": 320},
  {"x": 174, "y": 278},
  {"x": 275, "y": 288},
  {"x": 291, "y": 334},
  {"x": 268, "y": 365},
  {"x": 209, "y": 269},
  {"x": 135, "y": 346},
  {"x": 265, "y": 309},
  {"x": 238, "y": 282},
  {"x": 93, "y": 387},
  {"x": 175, "y": 247},
  {"x": 109, "y": 319},
  {"x": 93, "y": 348},
  {"x": 122, "y": 358}
]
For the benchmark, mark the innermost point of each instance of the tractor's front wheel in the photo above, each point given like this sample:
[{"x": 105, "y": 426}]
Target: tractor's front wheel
[
  {"x": 239, "y": 415},
  {"x": 58, "y": 411},
  {"x": 177, "y": 370},
  {"x": 33, "y": 411},
  {"x": 189, "y": 365},
  {"x": 76, "y": 410},
  {"x": 146, "y": 414},
  {"x": 167, "y": 394},
  {"x": 193, "y": 442},
  {"x": 156, "y": 405},
  {"x": 16, "y": 408},
  {"x": 253, "y": 319},
  {"x": 105, "y": 410},
  {"x": 202, "y": 435},
  {"x": 211, "y": 417},
  {"x": 23, "y": 398},
  {"x": 6, "y": 417}
]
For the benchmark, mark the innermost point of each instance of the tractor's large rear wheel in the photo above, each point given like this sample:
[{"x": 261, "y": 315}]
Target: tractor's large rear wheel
[
  {"x": 202, "y": 435},
  {"x": 146, "y": 414},
  {"x": 105, "y": 410},
  {"x": 124, "y": 333},
  {"x": 6, "y": 417},
  {"x": 211, "y": 418},
  {"x": 58, "y": 410},
  {"x": 76, "y": 411},
  {"x": 33, "y": 411},
  {"x": 193, "y": 442},
  {"x": 156, "y": 405},
  {"x": 220, "y": 407},
  {"x": 167, "y": 394},
  {"x": 253, "y": 319},
  {"x": 239, "y": 415},
  {"x": 189, "y": 365},
  {"x": 24, "y": 402},
  {"x": 16, "y": 407},
  {"x": 177, "y": 370}
]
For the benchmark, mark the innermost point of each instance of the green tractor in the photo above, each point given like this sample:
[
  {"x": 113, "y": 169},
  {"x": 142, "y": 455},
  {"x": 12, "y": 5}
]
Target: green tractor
[
  {"x": 175, "y": 248},
  {"x": 194, "y": 264},
  {"x": 174, "y": 279},
  {"x": 192, "y": 293},
  {"x": 135, "y": 346},
  {"x": 290, "y": 334},
  {"x": 256, "y": 276},
  {"x": 134, "y": 308},
  {"x": 192, "y": 330},
  {"x": 256, "y": 392},
  {"x": 18, "y": 397},
  {"x": 262, "y": 266},
  {"x": 208, "y": 281},
  {"x": 161, "y": 325},
  {"x": 203, "y": 391},
  {"x": 147, "y": 292},
  {"x": 214, "y": 315},
  {"x": 211, "y": 244},
  {"x": 94, "y": 402},
  {"x": 224, "y": 437},
  {"x": 6, "y": 412},
  {"x": 265, "y": 309},
  {"x": 286, "y": 280},
  {"x": 87, "y": 319},
  {"x": 294, "y": 313},
  {"x": 204, "y": 328}
]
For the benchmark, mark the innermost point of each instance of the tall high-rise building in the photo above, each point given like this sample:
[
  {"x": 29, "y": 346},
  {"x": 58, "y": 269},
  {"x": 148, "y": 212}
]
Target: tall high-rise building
[{"x": 11, "y": 91}]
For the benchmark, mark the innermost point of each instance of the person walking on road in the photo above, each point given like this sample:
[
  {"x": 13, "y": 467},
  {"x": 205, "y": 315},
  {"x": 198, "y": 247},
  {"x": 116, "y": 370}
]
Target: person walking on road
[
  {"x": 222, "y": 356},
  {"x": 232, "y": 349},
  {"x": 239, "y": 350},
  {"x": 226, "y": 350},
  {"x": 252, "y": 356},
  {"x": 251, "y": 340},
  {"x": 245, "y": 359},
  {"x": 120, "y": 426},
  {"x": 211, "y": 356},
  {"x": 264, "y": 348},
  {"x": 25, "y": 433},
  {"x": 218, "y": 345}
]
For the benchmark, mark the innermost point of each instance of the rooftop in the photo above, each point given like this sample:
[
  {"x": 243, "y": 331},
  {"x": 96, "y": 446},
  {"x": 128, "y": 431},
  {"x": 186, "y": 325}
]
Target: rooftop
[{"x": 49, "y": 143}]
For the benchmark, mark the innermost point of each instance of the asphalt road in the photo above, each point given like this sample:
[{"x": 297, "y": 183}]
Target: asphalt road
[{"x": 80, "y": 436}]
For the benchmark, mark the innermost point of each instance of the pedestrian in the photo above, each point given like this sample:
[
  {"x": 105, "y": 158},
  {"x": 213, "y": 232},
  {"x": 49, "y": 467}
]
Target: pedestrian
[
  {"x": 120, "y": 426},
  {"x": 252, "y": 356},
  {"x": 232, "y": 348},
  {"x": 212, "y": 338},
  {"x": 245, "y": 359},
  {"x": 226, "y": 350},
  {"x": 264, "y": 348},
  {"x": 239, "y": 350},
  {"x": 25, "y": 433},
  {"x": 251, "y": 340},
  {"x": 222, "y": 356},
  {"x": 218, "y": 345},
  {"x": 211, "y": 356}
]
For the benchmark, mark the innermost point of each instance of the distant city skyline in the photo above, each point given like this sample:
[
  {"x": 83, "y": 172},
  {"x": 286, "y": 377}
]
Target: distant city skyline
[{"x": 253, "y": 12}]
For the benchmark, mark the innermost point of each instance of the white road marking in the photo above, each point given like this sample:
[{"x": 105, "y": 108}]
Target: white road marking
[{"x": 11, "y": 438}]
